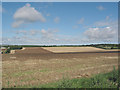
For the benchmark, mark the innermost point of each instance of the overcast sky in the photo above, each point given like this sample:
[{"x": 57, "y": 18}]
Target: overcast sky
[{"x": 59, "y": 23}]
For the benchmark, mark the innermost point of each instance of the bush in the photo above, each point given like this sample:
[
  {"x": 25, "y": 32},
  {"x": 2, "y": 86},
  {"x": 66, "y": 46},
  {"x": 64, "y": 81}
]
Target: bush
[
  {"x": 15, "y": 47},
  {"x": 65, "y": 83}
]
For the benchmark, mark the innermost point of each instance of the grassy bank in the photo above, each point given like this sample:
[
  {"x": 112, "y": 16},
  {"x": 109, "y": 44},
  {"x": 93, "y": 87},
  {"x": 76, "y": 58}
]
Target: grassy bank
[{"x": 107, "y": 80}]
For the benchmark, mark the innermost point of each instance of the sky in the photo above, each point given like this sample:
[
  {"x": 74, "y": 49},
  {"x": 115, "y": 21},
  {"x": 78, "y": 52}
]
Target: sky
[{"x": 61, "y": 23}]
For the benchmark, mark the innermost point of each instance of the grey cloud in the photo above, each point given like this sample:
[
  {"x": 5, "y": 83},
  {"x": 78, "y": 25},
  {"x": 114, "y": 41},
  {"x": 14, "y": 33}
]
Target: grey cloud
[
  {"x": 100, "y": 8},
  {"x": 56, "y": 20},
  {"x": 81, "y": 21}
]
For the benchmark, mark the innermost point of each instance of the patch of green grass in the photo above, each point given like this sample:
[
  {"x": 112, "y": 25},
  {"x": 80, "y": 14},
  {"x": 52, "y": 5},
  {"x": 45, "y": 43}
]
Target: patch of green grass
[
  {"x": 28, "y": 72},
  {"x": 22, "y": 73},
  {"x": 44, "y": 70},
  {"x": 107, "y": 80}
]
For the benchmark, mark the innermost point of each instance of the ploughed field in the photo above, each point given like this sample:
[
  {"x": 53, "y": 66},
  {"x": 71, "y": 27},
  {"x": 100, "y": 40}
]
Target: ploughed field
[{"x": 36, "y": 65}]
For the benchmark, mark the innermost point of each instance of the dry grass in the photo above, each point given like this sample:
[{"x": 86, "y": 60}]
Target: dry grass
[
  {"x": 74, "y": 49},
  {"x": 33, "y": 72}
]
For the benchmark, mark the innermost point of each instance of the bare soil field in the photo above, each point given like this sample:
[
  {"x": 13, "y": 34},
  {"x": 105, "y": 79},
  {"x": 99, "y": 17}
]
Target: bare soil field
[{"x": 36, "y": 65}]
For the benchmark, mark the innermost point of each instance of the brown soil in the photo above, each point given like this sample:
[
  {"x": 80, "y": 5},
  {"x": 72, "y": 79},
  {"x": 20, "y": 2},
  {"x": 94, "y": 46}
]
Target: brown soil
[
  {"x": 40, "y": 53},
  {"x": 36, "y": 65}
]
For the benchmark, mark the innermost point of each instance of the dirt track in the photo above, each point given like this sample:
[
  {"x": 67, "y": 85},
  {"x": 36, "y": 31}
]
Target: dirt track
[{"x": 33, "y": 66}]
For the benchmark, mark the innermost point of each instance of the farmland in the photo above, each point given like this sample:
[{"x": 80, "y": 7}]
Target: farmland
[{"x": 40, "y": 65}]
